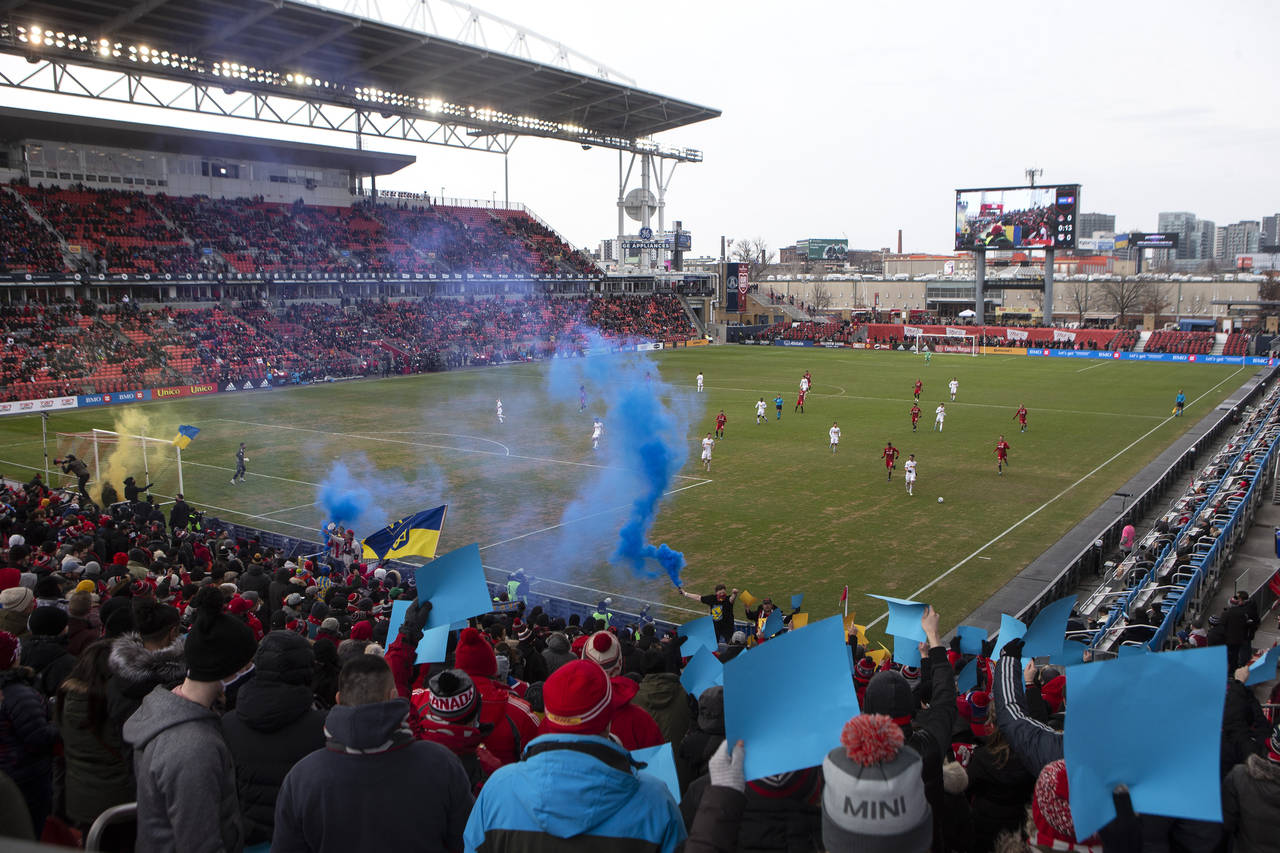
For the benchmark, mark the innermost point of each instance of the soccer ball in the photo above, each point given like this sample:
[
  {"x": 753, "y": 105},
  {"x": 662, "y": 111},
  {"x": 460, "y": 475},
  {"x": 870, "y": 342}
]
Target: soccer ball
[{"x": 939, "y": 498}]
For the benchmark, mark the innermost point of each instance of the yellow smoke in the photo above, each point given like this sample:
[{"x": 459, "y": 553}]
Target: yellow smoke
[{"x": 124, "y": 457}]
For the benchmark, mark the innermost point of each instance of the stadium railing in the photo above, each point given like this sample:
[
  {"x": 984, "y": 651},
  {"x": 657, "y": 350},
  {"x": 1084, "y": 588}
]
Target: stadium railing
[
  {"x": 1089, "y": 559},
  {"x": 559, "y": 599},
  {"x": 1205, "y": 559}
]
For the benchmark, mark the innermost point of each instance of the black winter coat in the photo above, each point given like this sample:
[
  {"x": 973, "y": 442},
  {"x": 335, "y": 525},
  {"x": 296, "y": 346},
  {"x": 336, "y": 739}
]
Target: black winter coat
[
  {"x": 273, "y": 726},
  {"x": 255, "y": 579},
  {"x": 767, "y": 823},
  {"x": 49, "y": 659},
  {"x": 27, "y": 737},
  {"x": 998, "y": 795}
]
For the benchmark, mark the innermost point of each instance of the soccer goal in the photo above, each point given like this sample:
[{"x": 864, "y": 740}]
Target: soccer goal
[
  {"x": 114, "y": 455},
  {"x": 958, "y": 343}
]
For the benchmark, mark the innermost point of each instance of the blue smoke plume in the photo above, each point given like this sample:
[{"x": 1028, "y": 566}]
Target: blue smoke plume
[
  {"x": 345, "y": 499},
  {"x": 645, "y": 445}
]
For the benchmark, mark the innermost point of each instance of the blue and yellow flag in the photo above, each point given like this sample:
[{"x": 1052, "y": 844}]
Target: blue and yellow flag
[
  {"x": 414, "y": 536},
  {"x": 184, "y": 436}
]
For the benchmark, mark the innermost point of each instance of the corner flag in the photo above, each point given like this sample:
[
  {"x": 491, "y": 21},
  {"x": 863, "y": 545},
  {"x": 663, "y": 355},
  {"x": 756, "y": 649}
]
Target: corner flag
[
  {"x": 415, "y": 535},
  {"x": 184, "y": 436}
]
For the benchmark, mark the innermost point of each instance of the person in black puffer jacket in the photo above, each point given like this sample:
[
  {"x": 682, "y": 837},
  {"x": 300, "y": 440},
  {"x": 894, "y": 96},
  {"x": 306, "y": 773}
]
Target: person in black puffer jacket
[
  {"x": 704, "y": 738},
  {"x": 256, "y": 579},
  {"x": 139, "y": 662},
  {"x": 45, "y": 649},
  {"x": 27, "y": 735},
  {"x": 275, "y": 724}
]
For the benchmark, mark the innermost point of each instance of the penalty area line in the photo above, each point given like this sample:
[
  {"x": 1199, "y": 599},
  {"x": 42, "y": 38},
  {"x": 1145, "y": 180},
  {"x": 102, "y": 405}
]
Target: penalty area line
[{"x": 1051, "y": 500}]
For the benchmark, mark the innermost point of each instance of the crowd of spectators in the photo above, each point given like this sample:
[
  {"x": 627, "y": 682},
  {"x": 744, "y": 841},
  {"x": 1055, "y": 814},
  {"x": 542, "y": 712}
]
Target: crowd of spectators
[
  {"x": 244, "y": 699},
  {"x": 75, "y": 348},
  {"x": 119, "y": 231}
]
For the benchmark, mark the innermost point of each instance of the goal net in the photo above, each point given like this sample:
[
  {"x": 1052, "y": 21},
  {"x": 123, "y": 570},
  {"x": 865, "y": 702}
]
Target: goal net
[
  {"x": 956, "y": 343},
  {"x": 113, "y": 456}
]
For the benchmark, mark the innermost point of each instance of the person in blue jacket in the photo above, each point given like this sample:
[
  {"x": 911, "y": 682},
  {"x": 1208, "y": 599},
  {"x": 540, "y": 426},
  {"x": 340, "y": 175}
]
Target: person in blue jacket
[{"x": 574, "y": 788}]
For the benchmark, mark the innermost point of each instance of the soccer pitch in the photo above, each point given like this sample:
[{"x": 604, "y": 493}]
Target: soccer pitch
[{"x": 778, "y": 513}]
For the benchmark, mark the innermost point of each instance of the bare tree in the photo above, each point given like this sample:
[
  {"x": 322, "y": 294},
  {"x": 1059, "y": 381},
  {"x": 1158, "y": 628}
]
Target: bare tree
[
  {"x": 820, "y": 297},
  {"x": 1124, "y": 296},
  {"x": 755, "y": 253},
  {"x": 1155, "y": 300},
  {"x": 1080, "y": 299}
]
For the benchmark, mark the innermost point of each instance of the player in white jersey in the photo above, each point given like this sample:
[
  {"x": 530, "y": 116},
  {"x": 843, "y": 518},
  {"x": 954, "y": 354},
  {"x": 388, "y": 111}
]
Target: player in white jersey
[
  {"x": 953, "y": 386},
  {"x": 597, "y": 429},
  {"x": 708, "y": 444},
  {"x": 699, "y": 381},
  {"x": 804, "y": 384},
  {"x": 939, "y": 415},
  {"x": 909, "y": 473},
  {"x": 761, "y": 407},
  {"x": 500, "y": 420},
  {"x": 834, "y": 433}
]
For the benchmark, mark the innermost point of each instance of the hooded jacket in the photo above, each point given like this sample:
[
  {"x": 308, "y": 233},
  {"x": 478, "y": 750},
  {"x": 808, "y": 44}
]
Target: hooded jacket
[
  {"x": 27, "y": 738},
  {"x": 186, "y": 782},
  {"x": 631, "y": 724},
  {"x": 557, "y": 653},
  {"x": 664, "y": 697},
  {"x": 255, "y": 578},
  {"x": 98, "y": 774},
  {"x": 561, "y": 799},
  {"x": 1251, "y": 805},
  {"x": 136, "y": 671},
  {"x": 370, "y": 749},
  {"x": 274, "y": 725}
]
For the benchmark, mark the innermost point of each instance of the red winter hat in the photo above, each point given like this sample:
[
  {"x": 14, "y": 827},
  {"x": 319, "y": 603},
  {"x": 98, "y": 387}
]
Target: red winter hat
[
  {"x": 362, "y": 630},
  {"x": 1051, "y": 811},
  {"x": 579, "y": 699},
  {"x": 1054, "y": 693},
  {"x": 604, "y": 649},
  {"x": 9, "y": 578},
  {"x": 474, "y": 655},
  {"x": 240, "y": 605},
  {"x": 120, "y": 559},
  {"x": 579, "y": 643}
]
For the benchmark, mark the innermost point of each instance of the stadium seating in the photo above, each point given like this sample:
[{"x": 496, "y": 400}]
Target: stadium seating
[
  {"x": 1237, "y": 344},
  {"x": 67, "y": 348},
  {"x": 130, "y": 232},
  {"x": 1186, "y": 343}
]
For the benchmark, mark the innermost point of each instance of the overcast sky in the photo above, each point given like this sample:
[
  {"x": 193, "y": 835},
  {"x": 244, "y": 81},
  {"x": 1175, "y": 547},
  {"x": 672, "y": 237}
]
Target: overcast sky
[{"x": 856, "y": 119}]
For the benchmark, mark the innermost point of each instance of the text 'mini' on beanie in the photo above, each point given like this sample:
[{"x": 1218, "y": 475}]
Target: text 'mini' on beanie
[{"x": 873, "y": 797}]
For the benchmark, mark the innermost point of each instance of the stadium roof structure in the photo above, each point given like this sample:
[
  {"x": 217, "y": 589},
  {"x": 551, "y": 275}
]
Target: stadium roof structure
[
  {"x": 387, "y": 78},
  {"x": 17, "y": 125}
]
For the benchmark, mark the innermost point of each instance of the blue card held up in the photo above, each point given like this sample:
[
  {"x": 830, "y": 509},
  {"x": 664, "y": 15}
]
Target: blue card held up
[
  {"x": 701, "y": 633},
  {"x": 661, "y": 764},
  {"x": 807, "y": 673},
  {"x": 454, "y": 584},
  {"x": 1010, "y": 629},
  {"x": 906, "y": 651},
  {"x": 1264, "y": 668},
  {"x": 904, "y": 617},
  {"x": 1169, "y": 761},
  {"x": 797, "y": 600},
  {"x": 971, "y": 639},
  {"x": 703, "y": 670},
  {"x": 773, "y": 624},
  {"x": 967, "y": 679},
  {"x": 1048, "y": 630}
]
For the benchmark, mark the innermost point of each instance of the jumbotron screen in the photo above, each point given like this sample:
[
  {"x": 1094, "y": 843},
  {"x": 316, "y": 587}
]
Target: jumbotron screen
[{"x": 1017, "y": 217}]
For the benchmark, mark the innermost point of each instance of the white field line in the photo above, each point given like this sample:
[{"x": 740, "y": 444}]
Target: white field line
[
  {"x": 506, "y": 449},
  {"x": 290, "y": 508},
  {"x": 1092, "y": 366},
  {"x": 1038, "y": 509},
  {"x": 585, "y": 517},
  {"x": 437, "y": 446},
  {"x": 186, "y": 462}
]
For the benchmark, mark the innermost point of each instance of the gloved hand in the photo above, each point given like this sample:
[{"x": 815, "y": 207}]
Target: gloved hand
[
  {"x": 1013, "y": 648},
  {"x": 988, "y": 646},
  {"x": 415, "y": 622},
  {"x": 725, "y": 768},
  {"x": 955, "y": 644}
]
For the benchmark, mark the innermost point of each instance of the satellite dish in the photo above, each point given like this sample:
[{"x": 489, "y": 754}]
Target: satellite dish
[{"x": 637, "y": 201}]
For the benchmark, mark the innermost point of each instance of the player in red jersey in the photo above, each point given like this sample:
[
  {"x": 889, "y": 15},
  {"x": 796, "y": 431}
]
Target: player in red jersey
[
  {"x": 799, "y": 403},
  {"x": 1021, "y": 415},
  {"x": 915, "y": 416},
  {"x": 919, "y": 388},
  {"x": 721, "y": 420},
  {"x": 890, "y": 457},
  {"x": 1002, "y": 455}
]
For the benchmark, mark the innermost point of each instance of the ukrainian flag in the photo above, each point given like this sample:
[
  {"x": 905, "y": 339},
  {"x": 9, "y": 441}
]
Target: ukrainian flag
[
  {"x": 414, "y": 536},
  {"x": 184, "y": 436}
]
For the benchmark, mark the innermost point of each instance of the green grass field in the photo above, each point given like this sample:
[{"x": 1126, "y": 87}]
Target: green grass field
[{"x": 778, "y": 514}]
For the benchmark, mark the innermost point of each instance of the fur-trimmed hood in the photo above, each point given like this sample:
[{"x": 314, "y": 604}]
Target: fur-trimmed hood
[
  {"x": 1262, "y": 770},
  {"x": 139, "y": 669}
]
